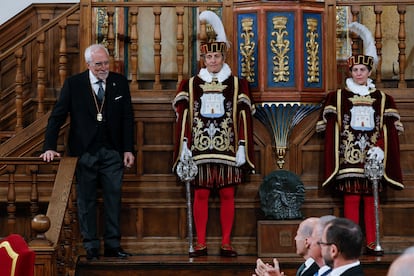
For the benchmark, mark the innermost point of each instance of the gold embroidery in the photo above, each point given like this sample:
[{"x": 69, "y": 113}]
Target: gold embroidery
[
  {"x": 353, "y": 155},
  {"x": 213, "y": 86},
  {"x": 355, "y": 148},
  {"x": 212, "y": 135},
  {"x": 362, "y": 100}
]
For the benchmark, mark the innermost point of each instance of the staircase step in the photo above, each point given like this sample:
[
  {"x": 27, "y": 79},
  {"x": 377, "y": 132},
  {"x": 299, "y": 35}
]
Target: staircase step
[
  {"x": 163, "y": 265},
  {"x": 166, "y": 265}
]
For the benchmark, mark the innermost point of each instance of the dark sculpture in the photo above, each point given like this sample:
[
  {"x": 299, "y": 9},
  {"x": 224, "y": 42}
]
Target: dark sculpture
[{"x": 281, "y": 195}]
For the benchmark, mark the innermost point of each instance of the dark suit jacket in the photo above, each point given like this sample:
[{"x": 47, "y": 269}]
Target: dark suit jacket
[
  {"x": 311, "y": 270},
  {"x": 354, "y": 271},
  {"x": 77, "y": 100}
]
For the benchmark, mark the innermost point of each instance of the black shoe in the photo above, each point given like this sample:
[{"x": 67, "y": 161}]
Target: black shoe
[
  {"x": 116, "y": 252},
  {"x": 371, "y": 251},
  {"x": 199, "y": 251},
  {"x": 92, "y": 254},
  {"x": 227, "y": 251}
]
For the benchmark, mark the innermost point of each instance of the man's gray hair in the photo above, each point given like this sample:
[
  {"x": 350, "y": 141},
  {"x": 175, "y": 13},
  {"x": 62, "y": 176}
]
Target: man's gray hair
[{"x": 92, "y": 49}]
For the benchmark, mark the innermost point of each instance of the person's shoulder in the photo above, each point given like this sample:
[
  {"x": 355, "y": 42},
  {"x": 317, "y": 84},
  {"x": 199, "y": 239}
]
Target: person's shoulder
[
  {"x": 242, "y": 80},
  {"x": 80, "y": 75},
  {"x": 77, "y": 79},
  {"x": 116, "y": 75},
  {"x": 354, "y": 271}
]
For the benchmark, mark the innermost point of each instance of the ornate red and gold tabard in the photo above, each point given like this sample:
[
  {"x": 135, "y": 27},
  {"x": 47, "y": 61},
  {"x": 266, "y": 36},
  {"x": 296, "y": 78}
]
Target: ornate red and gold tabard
[
  {"x": 213, "y": 117},
  {"x": 354, "y": 124}
]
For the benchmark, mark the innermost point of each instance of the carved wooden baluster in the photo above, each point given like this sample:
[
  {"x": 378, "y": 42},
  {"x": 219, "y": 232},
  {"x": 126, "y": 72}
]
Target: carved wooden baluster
[
  {"x": 11, "y": 200},
  {"x": 134, "y": 48},
  {"x": 34, "y": 192},
  {"x": 157, "y": 48},
  {"x": 378, "y": 44},
  {"x": 73, "y": 211},
  {"x": 355, "y": 9},
  {"x": 401, "y": 46},
  {"x": 19, "y": 89},
  {"x": 111, "y": 37},
  {"x": 67, "y": 240},
  {"x": 63, "y": 53},
  {"x": 41, "y": 75},
  {"x": 180, "y": 43}
]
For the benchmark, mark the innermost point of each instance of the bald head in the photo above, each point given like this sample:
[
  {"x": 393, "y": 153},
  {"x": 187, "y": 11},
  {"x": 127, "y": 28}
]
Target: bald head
[
  {"x": 303, "y": 235},
  {"x": 403, "y": 265},
  {"x": 306, "y": 226}
]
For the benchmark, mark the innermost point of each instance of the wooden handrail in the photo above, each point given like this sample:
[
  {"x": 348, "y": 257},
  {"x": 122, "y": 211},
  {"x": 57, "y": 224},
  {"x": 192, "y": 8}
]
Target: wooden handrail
[
  {"x": 60, "y": 196},
  {"x": 371, "y": 3},
  {"x": 40, "y": 30},
  {"x": 47, "y": 242},
  {"x": 150, "y": 4}
]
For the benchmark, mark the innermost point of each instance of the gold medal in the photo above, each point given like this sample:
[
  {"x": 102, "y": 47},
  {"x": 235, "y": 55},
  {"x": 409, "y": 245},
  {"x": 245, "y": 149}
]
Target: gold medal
[{"x": 99, "y": 116}]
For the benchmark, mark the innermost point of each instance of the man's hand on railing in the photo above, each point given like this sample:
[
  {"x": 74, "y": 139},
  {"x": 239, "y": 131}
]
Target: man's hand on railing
[{"x": 49, "y": 155}]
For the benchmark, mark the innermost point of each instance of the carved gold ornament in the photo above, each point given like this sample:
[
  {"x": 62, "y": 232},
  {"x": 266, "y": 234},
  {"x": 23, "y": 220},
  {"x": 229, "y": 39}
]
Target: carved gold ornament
[
  {"x": 280, "y": 49},
  {"x": 247, "y": 49},
  {"x": 312, "y": 48}
]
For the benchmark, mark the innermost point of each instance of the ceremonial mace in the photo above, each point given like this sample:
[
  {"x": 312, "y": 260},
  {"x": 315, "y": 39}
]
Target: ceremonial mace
[
  {"x": 374, "y": 170},
  {"x": 187, "y": 170}
]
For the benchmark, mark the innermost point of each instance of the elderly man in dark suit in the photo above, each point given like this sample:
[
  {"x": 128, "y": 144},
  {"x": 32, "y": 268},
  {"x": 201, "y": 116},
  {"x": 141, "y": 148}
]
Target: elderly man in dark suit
[{"x": 102, "y": 137}]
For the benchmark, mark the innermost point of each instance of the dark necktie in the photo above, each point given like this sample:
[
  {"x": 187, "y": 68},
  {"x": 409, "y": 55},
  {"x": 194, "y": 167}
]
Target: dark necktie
[
  {"x": 101, "y": 91},
  {"x": 300, "y": 269}
]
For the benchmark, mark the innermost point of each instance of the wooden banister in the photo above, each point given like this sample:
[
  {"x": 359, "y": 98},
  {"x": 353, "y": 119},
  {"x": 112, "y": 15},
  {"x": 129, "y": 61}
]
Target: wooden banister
[
  {"x": 33, "y": 36},
  {"x": 47, "y": 240},
  {"x": 60, "y": 195}
]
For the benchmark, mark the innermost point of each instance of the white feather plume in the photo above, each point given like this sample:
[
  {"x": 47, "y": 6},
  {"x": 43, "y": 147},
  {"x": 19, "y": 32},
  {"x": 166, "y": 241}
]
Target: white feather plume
[
  {"x": 215, "y": 22},
  {"x": 368, "y": 40}
]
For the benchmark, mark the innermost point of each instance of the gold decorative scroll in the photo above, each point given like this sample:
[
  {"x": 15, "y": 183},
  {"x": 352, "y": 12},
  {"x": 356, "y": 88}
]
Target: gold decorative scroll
[
  {"x": 312, "y": 48},
  {"x": 247, "y": 49},
  {"x": 280, "y": 49}
]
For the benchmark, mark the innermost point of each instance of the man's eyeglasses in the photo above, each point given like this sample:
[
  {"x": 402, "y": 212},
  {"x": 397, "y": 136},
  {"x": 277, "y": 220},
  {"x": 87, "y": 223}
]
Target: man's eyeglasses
[
  {"x": 324, "y": 243},
  {"x": 99, "y": 64}
]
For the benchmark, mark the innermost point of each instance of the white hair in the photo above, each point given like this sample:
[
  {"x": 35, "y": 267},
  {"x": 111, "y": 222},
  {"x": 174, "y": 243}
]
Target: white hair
[{"x": 92, "y": 49}]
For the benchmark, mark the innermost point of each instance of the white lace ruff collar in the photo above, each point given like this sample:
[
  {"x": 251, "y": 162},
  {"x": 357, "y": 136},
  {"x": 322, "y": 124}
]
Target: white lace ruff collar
[
  {"x": 361, "y": 90},
  {"x": 221, "y": 76}
]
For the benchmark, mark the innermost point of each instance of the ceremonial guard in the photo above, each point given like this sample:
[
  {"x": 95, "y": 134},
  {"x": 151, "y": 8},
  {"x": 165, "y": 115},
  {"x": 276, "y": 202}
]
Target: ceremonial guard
[
  {"x": 356, "y": 119},
  {"x": 214, "y": 126}
]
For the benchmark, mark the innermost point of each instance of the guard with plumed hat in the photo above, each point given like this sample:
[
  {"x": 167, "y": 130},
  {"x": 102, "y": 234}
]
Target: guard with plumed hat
[
  {"x": 214, "y": 126},
  {"x": 358, "y": 120}
]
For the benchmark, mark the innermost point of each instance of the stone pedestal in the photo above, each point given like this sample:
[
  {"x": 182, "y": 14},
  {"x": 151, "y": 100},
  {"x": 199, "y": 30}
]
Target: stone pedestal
[{"x": 276, "y": 238}]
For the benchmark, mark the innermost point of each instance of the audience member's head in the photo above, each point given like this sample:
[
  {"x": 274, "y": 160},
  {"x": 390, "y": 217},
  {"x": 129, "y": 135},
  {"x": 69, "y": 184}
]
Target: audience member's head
[
  {"x": 316, "y": 236},
  {"x": 303, "y": 235},
  {"x": 341, "y": 242},
  {"x": 404, "y": 264}
]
